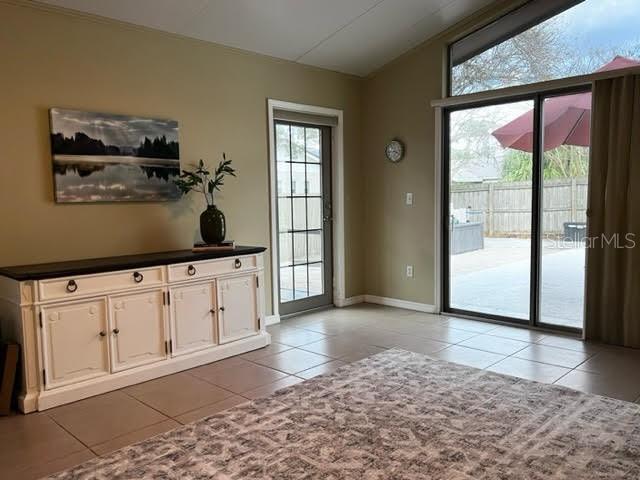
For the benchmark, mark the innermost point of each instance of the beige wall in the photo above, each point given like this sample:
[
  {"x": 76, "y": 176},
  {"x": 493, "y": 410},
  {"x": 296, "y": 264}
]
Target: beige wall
[
  {"x": 396, "y": 103},
  {"x": 49, "y": 58}
]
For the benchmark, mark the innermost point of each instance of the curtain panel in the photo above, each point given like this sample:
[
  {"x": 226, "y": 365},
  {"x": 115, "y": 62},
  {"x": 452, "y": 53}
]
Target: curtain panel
[{"x": 613, "y": 244}]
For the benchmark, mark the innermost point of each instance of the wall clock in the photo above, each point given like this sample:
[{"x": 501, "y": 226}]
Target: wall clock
[{"x": 394, "y": 151}]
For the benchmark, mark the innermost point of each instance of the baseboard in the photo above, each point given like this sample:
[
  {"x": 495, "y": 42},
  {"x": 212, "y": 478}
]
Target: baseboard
[
  {"x": 271, "y": 319},
  {"x": 346, "y": 302},
  {"x": 395, "y": 302}
]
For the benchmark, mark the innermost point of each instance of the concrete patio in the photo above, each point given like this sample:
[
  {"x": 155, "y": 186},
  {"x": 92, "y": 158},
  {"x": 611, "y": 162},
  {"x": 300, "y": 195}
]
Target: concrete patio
[{"x": 496, "y": 280}]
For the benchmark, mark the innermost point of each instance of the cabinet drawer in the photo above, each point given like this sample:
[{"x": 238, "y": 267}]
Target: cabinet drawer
[
  {"x": 208, "y": 268},
  {"x": 70, "y": 287}
]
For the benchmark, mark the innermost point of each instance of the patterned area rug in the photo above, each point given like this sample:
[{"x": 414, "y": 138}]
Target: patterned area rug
[{"x": 396, "y": 415}]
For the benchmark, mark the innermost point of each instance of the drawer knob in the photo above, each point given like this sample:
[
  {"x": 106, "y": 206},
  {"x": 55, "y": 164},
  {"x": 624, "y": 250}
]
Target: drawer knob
[
  {"x": 191, "y": 270},
  {"x": 102, "y": 334},
  {"x": 116, "y": 331},
  {"x": 238, "y": 263},
  {"x": 137, "y": 277},
  {"x": 72, "y": 286}
]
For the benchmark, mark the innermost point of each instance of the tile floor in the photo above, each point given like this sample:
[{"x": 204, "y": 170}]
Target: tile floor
[{"x": 41, "y": 443}]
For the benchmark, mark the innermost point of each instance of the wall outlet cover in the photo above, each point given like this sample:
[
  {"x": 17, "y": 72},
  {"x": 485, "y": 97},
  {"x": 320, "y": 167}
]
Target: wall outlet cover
[{"x": 409, "y": 271}]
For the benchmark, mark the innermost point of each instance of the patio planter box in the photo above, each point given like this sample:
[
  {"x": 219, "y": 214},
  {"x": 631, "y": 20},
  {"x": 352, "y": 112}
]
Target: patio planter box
[{"x": 466, "y": 237}]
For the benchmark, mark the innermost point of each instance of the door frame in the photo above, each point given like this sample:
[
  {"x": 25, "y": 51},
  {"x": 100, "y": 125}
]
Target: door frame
[
  {"x": 337, "y": 189},
  {"x": 442, "y": 280}
]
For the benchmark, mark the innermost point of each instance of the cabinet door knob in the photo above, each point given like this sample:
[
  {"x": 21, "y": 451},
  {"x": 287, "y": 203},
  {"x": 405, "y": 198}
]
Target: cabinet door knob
[
  {"x": 102, "y": 334},
  {"x": 137, "y": 277},
  {"x": 212, "y": 311},
  {"x": 116, "y": 331},
  {"x": 191, "y": 270},
  {"x": 222, "y": 309},
  {"x": 72, "y": 286},
  {"x": 238, "y": 263}
]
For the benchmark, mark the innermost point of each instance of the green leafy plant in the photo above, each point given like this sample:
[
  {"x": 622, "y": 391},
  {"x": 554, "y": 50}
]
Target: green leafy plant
[{"x": 200, "y": 179}]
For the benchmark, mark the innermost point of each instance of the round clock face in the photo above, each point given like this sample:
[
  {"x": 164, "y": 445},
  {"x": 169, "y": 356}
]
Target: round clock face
[{"x": 394, "y": 151}]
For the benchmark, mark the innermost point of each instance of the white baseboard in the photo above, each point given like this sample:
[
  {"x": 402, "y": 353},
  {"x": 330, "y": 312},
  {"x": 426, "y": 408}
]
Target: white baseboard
[
  {"x": 395, "y": 302},
  {"x": 271, "y": 319},
  {"x": 346, "y": 302}
]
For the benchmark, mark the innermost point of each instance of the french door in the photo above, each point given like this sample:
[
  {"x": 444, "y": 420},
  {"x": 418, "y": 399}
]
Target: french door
[
  {"x": 303, "y": 179},
  {"x": 515, "y": 178}
]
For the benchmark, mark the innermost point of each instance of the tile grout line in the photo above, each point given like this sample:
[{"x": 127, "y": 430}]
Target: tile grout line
[{"x": 70, "y": 433}]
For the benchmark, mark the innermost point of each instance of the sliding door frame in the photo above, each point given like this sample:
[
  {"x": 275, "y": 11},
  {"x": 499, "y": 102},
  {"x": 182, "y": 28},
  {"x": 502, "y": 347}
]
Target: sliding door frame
[{"x": 536, "y": 207}]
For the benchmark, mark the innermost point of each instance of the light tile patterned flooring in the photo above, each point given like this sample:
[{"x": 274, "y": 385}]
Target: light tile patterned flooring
[{"x": 41, "y": 443}]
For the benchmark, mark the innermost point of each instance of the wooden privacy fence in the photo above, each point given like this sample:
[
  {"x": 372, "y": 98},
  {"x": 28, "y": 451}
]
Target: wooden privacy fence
[{"x": 505, "y": 207}]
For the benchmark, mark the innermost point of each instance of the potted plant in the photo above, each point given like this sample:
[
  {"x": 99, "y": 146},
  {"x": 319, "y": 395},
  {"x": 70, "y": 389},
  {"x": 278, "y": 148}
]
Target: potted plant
[{"x": 212, "y": 221}]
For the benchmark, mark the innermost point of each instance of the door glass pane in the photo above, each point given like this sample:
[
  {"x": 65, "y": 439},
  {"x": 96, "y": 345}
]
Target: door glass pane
[
  {"x": 316, "y": 285},
  {"x": 489, "y": 214},
  {"x": 283, "y": 153},
  {"x": 314, "y": 213},
  {"x": 299, "y": 248},
  {"x": 300, "y": 282},
  {"x": 286, "y": 284},
  {"x": 284, "y": 214},
  {"x": 284, "y": 179},
  {"x": 298, "y": 179},
  {"x": 315, "y": 246},
  {"x": 313, "y": 145},
  {"x": 314, "y": 180},
  {"x": 564, "y": 202},
  {"x": 286, "y": 249},
  {"x": 299, "y": 214},
  {"x": 297, "y": 144}
]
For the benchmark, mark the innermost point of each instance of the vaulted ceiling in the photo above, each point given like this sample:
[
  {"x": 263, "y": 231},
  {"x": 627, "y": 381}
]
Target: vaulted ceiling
[{"x": 350, "y": 36}]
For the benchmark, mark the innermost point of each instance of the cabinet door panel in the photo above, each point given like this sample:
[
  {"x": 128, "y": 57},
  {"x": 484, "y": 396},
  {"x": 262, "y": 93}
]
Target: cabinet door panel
[
  {"x": 237, "y": 314},
  {"x": 74, "y": 349},
  {"x": 192, "y": 318},
  {"x": 138, "y": 320}
]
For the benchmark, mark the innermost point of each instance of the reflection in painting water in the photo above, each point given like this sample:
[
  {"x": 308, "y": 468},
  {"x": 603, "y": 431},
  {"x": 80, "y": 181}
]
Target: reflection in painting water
[{"x": 94, "y": 181}]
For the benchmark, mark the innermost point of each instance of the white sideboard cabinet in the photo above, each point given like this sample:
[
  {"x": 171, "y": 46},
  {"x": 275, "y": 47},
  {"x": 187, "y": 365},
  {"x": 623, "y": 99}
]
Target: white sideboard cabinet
[{"x": 91, "y": 326}]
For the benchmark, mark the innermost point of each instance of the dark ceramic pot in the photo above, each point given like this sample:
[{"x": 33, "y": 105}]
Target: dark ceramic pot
[{"x": 213, "y": 227}]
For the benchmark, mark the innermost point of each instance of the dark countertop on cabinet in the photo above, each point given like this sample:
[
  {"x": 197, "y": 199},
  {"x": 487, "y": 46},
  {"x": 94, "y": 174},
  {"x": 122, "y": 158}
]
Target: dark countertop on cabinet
[{"x": 111, "y": 264}]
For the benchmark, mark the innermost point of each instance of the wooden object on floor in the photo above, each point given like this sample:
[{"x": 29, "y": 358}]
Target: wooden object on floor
[{"x": 8, "y": 364}]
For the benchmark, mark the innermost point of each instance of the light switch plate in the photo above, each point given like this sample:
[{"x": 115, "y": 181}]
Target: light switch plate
[
  {"x": 409, "y": 271},
  {"x": 409, "y": 198}
]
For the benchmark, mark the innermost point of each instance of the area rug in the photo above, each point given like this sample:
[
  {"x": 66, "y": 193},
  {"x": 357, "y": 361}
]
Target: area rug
[{"x": 396, "y": 415}]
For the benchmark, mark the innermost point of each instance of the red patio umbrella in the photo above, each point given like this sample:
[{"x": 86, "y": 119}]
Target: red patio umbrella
[{"x": 566, "y": 120}]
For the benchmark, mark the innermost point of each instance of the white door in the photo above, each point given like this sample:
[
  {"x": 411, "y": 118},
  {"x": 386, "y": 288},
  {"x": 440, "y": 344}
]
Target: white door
[
  {"x": 137, "y": 329},
  {"x": 237, "y": 312},
  {"x": 192, "y": 318},
  {"x": 75, "y": 342}
]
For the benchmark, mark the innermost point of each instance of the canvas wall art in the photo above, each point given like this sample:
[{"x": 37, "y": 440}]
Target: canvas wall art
[{"x": 102, "y": 157}]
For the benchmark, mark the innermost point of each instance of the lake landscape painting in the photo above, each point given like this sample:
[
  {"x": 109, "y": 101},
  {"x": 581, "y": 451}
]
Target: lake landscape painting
[{"x": 102, "y": 157}]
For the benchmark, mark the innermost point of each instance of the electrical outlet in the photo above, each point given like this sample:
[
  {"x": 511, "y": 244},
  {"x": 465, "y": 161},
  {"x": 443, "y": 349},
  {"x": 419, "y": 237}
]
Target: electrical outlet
[
  {"x": 409, "y": 198},
  {"x": 409, "y": 271}
]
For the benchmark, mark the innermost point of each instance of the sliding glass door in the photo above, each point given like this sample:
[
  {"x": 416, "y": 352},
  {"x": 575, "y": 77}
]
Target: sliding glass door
[{"x": 514, "y": 199}]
